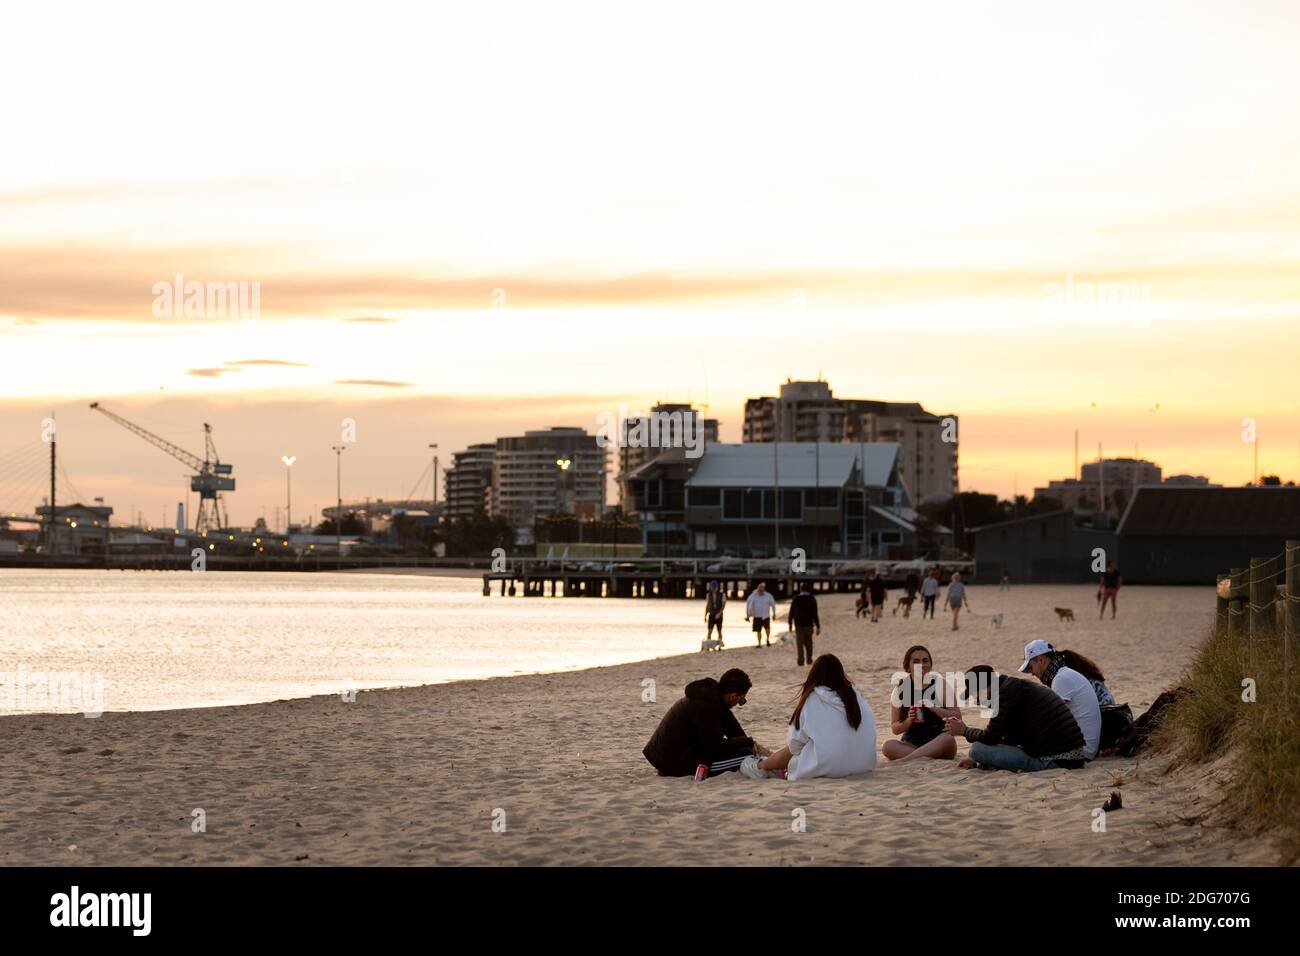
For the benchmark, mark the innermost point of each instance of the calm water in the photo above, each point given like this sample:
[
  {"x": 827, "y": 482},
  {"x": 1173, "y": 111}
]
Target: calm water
[{"x": 161, "y": 640}]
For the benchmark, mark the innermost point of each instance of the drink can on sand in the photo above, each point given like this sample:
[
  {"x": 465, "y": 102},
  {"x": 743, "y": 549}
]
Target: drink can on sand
[{"x": 701, "y": 772}]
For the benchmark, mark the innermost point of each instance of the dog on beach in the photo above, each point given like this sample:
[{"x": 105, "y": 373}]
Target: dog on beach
[
  {"x": 904, "y": 601},
  {"x": 860, "y": 607},
  {"x": 708, "y": 645},
  {"x": 785, "y": 639},
  {"x": 996, "y": 621},
  {"x": 1064, "y": 614}
]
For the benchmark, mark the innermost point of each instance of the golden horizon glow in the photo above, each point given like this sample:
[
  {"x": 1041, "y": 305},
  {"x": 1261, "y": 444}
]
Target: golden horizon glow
[{"x": 506, "y": 218}]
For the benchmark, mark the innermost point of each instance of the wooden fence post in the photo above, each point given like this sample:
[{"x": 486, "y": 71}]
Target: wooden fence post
[
  {"x": 1220, "y": 606},
  {"x": 1236, "y": 603},
  {"x": 1261, "y": 601},
  {"x": 1292, "y": 629}
]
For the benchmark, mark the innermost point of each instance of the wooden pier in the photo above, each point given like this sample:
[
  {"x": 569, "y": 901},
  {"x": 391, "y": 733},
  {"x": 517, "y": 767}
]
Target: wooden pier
[{"x": 689, "y": 578}]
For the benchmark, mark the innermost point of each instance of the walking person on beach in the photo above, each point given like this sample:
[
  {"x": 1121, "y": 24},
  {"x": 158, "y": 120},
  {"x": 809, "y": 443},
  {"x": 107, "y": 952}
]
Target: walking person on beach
[
  {"x": 760, "y": 606},
  {"x": 700, "y": 730},
  {"x": 803, "y": 620},
  {"x": 832, "y": 732},
  {"x": 715, "y": 602},
  {"x": 929, "y": 593},
  {"x": 1031, "y": 730},
  {"x": 917, "y": 719},
  {"x": 955, "y": 599},
  {"x": 1109, "y": 589},
  {"x": 911, "y": 585},
  {"x": 876, "y": 592},
  {"x": 1044, "y": 662}
]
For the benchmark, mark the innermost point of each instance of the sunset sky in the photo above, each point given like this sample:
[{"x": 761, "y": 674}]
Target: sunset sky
[{"x": 469, "y": 222}]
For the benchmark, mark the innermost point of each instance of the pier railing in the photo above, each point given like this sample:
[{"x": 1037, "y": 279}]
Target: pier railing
[{"x": 687, "y": 577}]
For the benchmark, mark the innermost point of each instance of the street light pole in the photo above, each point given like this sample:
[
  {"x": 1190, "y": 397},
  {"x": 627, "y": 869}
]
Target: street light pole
[
  {"x": 288, "y": 491},
  {"x": 433, "y": 507},
  {"x": 338, "y": 515}
]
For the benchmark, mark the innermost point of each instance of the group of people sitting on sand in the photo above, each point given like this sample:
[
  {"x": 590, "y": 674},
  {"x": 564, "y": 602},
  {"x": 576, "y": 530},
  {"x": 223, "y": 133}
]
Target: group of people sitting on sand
[{"x": 1052, "y": 722}]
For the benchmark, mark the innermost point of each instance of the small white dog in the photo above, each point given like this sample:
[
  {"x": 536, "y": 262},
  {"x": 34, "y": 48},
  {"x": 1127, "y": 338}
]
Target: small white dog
[
  {"x": 785, "y": 639},
  {"x": 997, "y": 621},
  {"x": 707, "y": 645}
]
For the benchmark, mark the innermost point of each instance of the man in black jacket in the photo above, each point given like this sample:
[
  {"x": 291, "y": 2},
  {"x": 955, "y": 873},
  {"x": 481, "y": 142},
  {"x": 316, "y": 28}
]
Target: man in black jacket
[
  {"x": 700, "y": 729},
  {"x": 1031, "y": 729},
  {"x": 803, "y": 620}
]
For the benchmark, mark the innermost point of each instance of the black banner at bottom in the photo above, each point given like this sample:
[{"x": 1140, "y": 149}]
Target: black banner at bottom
[{"x": 334, "y": 905}]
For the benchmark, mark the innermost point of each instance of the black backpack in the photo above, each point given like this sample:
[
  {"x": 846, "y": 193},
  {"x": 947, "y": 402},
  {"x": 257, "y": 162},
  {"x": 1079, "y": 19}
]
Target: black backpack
[
  {"x": 1145, "y": 725},
  {"x": 1116, "y": 724}
]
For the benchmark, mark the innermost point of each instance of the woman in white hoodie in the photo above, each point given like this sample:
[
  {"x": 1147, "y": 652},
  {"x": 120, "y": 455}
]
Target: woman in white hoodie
[{"x": 832, "y": 730}]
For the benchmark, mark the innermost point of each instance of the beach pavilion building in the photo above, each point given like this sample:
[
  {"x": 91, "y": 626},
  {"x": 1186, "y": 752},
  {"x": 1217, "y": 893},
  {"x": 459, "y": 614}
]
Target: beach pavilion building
[{"x": 752, "y": 500}]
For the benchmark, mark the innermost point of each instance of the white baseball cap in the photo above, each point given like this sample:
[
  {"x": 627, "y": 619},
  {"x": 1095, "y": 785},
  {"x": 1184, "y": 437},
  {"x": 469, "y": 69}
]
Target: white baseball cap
[{"x": 1034, "y": 649}]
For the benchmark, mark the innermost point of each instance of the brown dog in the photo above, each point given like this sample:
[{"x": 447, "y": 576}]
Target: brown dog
[
  {"x": 904, "y": 602},
  {"x": 1064, "y": 614}
]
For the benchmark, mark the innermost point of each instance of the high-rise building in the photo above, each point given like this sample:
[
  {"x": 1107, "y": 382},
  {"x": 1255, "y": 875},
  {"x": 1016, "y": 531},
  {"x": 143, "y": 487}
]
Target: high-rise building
[
  {"x": 547, "y": 471},
  {"x": 809, "y": 412},
  {"x": 468, "y": 480},
  {"x": 1119, "y": 477},
  {"x": 804, "y": 412},
  {"x": 1125, "y": 473}
]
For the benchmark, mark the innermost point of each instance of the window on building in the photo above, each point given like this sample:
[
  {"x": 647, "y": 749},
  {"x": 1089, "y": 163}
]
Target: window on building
[
  {"x": 705, "y": 497},
  {"x": 792, "y": 504},
  {"x": 821, "y": 497},
  {"x": 733, "y": 503}
]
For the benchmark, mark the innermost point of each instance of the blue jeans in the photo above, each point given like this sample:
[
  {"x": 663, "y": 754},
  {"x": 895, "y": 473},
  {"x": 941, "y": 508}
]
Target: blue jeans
[{"x": 1007, "y": 757}]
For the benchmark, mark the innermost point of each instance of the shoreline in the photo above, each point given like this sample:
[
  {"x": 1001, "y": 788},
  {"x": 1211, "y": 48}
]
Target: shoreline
[{"x": 420, "y": 775}]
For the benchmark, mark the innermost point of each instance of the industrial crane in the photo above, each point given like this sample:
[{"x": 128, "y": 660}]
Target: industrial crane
[{"x": 212, "y": 476}]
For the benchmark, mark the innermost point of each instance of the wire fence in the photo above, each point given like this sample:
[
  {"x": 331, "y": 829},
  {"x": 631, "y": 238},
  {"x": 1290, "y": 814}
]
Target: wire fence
[{"x": 1262, "y": 603}]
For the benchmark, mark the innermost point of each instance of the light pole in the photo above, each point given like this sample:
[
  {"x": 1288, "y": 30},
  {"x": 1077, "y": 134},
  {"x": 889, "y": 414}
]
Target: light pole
[
  {"x": 563, "y": 464},
  {"x": 434, "y": 505},
  {"x": 338, "y": 515},
  {"x": 288, "y": 492}
]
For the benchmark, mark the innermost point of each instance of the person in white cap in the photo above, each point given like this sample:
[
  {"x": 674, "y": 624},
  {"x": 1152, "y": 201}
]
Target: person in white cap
[{"x": 1046, "y": 663}]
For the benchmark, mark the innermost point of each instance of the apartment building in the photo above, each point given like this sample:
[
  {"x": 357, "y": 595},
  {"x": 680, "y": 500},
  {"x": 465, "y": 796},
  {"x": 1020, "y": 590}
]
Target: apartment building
[
  {"x": 810, "y": 412},
  {"x": 542, "y": 472},
  {"x": 468, "y": 480}
]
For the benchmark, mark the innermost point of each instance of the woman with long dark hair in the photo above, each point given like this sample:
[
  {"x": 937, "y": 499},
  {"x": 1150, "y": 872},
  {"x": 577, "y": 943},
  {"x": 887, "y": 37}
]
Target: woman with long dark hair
[
  {"x": 832, "y": 731},
  {"x": 1089, "y": 669},
  {"x": 917, "y": 714}
]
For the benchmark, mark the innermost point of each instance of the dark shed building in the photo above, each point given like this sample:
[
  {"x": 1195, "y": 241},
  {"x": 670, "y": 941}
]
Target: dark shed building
[
  {"x": 1189, "y": 535},
  {"x": 1052, "y": 548}
]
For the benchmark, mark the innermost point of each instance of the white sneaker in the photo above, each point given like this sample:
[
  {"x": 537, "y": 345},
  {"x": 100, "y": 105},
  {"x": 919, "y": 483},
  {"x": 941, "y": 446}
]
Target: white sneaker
[{"x": 750, "y": 768}]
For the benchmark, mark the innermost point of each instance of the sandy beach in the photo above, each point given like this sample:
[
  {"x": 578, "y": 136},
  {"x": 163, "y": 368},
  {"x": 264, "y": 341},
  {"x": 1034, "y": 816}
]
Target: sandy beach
[{"x": 420, "y": 775}]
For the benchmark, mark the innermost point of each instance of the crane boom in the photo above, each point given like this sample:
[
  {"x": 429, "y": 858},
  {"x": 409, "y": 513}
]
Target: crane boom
[
  {"x": 210, "y": 478},
  {"x": 180, "y": 454}
]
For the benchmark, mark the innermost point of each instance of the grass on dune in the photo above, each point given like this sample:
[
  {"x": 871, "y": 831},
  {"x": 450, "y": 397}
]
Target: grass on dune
[{"x": 1262, "y": 736}]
